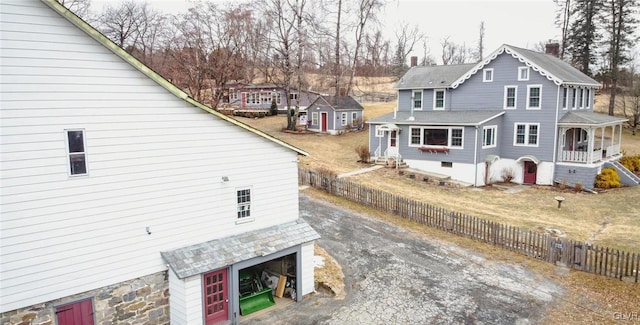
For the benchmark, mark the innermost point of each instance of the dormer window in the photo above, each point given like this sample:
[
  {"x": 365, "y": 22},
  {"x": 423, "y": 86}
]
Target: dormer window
[
  {"x": 487, "y": 75},
  {"x": 523, "y": 73},
  {"x": 438, "y": 100}
]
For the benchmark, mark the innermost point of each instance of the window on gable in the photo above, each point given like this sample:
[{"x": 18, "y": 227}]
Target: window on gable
[
  {"x": 534, "y": 96},
  {"x": 526, "y": 134},
  {"x": 489, "y": 136},
  {"x": 510, "y": 97},
  {"x": 438, "y": 100},
  {"x": 417, "y": 99},
  {"x": 76, "y": 152},
  {"x": 565, "y": 97},
  {"x": 244, "y": 203},
  {"x": 314, "y": 118},
  {"x": 487, "y": 75},
  {"x": 523, "y": 73},
  {"x": 343, "y": 119}
]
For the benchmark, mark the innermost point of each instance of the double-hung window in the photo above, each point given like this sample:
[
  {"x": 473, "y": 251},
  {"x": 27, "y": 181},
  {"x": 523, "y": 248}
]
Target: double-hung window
[
  {"x": 588, "y": 99},
  {"x": 244, "y": 202},
  {"x": 343, "y": 119},
  {"x": 76, "y": 152},
  {"x": 487, "y": 75},
  {"x": 581, "y": 99},
  {"x": 534, "y": 96},
  {"x": 489, "y": 136},
  {"x": 526, "y": 134},
  {"x": 438, "y": 99},
  {"x": 510, "y": 97},
  {"x": 314, "y": 118},
  {"x": 565, "y": 97},
  {"x": 416, "y": 97},
  {"x": 574, "y": 98}
]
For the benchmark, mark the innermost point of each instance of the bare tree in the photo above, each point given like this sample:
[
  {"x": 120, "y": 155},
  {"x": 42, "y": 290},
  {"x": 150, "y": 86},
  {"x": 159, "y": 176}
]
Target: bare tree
[
  {"x": 563, "y": 20},
  {"x": 120, "y": 22},
  {"x": 366, "y": 12},
  {"x": 79, "y": 7},
  {"x": 406, "y": 39},
  {"x": 480, "y": 53}
]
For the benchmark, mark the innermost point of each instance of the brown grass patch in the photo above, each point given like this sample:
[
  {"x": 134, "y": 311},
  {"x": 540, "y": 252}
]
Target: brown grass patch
[{"x": 330, "y": 275}]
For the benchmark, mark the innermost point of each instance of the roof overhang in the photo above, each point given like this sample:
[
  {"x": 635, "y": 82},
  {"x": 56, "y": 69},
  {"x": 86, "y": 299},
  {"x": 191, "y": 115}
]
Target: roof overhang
[
  {"x": 491, "y": 158},
  {"x": 529, "y": 158},
  {"x": 388, "y": 127},
  {"x": 222, "y": 252},
  {"x": 106, "y": 42}
]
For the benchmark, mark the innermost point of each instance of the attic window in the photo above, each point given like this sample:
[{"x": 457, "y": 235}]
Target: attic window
[
  {"x": 523, "y": 73},
  {"x": 76, "y": 152},
  {"x": 487, "y": 75}
]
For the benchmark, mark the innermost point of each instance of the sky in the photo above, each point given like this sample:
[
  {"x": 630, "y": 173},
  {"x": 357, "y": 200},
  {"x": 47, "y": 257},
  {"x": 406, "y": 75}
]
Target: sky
[{"x": 521, "y": 23}]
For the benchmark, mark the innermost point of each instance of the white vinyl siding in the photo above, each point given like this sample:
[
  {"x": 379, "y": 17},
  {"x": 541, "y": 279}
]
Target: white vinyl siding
[
  {"x": 487, "y": 75},
  {"x": 156, "y": 161},
  {"x": 489, "y": 135},
  {"x": 534, "y": 96},
  {"x": 510, "y": 97},
  {"x": 307, "y": 268},
  {"x": 417, "y": 99},
  {"x": 526, "y": 134},
  {"x": 439, "y": 99}
]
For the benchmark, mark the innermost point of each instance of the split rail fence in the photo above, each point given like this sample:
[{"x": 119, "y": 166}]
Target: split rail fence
[{"x": 594, "y": 259}]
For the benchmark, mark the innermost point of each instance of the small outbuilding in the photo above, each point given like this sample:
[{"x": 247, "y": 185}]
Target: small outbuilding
[{"x": 335, "y": 114}]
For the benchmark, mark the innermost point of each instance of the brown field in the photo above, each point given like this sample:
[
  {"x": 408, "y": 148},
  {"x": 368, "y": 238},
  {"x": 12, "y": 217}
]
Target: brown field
[{"x": 613, "y": 215}]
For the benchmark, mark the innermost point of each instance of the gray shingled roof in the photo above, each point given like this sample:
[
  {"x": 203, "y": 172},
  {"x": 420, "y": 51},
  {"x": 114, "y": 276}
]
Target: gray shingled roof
[
  {"x": 589, "y": 118},
  {"x": 211, "y": 255},
  {"x": 436, "y": 76},
  {"x": 553, "y": 65},
  {"x": 438, "y": 118},
  {"x": 338, "y": 103}
]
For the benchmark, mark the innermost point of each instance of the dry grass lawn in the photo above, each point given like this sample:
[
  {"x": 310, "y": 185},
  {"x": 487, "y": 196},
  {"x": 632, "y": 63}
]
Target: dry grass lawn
[{"x": 614, "y": 215}]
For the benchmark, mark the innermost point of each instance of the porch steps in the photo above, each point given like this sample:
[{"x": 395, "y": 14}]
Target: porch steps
[
  {"x": 383, "y": 161},
  {"x": 627, "y": 177}
]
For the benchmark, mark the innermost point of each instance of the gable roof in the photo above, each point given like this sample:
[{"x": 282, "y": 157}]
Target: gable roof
[
  {"x": 554, "y": 69},
  {"x": 338, "y": 103},
  {"x": 106, "y": 42},
  {"x": 435, "y": 76}
]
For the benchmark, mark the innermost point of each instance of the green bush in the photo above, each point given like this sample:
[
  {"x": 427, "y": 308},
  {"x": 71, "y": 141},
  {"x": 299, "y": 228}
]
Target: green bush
[
  {"x": 632, "y": 163},
  {"x": 608, "y": 178}
]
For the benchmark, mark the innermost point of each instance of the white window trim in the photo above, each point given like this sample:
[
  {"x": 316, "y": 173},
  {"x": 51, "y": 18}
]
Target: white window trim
[
  {"x": 250, "y": 217},
  {"x": 494, "y": 136},
  {"x": 526, "y": 135},
  {"x": 587, "y": 97},
  {"x": 515, "y": 103},
  {"x": 449, "y": 136},
  {"x": 520, "y": 69},
  {"x": 529, "y": 97},
  {"x": 574, "y": 99},
  {"x": 484, "y": 75},
  {"x": 565, "y": 102},
  {"x": 344, "y": 119},
  {"x": 413, "y": 101},
  {"x": 314, "y": 118},
  {"x": 379, "y": 133},
  {"x": 444, "y": 99},
  {"x": 69, "y": 153}
]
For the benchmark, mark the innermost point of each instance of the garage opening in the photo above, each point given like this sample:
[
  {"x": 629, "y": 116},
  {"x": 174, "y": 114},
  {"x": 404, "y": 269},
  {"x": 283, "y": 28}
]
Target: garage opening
[{"x": 266, "y": 285}]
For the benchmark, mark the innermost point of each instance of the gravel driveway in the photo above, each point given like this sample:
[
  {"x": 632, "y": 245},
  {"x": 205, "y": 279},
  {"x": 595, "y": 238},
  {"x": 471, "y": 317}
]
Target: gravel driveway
[{"x": 393, "y": 276}]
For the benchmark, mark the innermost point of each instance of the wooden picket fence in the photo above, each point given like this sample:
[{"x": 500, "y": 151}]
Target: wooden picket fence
[{"x": 577, "y": 255}]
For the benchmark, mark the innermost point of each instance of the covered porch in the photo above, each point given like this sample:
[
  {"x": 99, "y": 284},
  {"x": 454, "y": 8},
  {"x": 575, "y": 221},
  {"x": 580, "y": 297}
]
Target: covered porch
[
  {"x": 389, "y": 132},
  {"x": 588, "y": 137}
]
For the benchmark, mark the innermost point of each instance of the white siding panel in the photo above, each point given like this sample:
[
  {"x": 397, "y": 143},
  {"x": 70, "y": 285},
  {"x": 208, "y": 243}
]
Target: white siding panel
[
  {"x": 154, "y": 161},
  {"x": 307, "y": 268},
  {"x": 177, "y": 304}
]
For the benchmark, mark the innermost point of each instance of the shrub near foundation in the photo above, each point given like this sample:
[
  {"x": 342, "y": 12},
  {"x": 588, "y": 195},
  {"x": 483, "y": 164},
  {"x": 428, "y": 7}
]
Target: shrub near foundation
[
  {"x": 632, "y": 163},
  {"x": 608, "y": 178}
]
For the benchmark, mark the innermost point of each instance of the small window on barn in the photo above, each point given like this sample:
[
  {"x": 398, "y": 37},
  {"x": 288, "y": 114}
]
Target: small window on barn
[
  {"x": 343, "y": 119},
  {"x": 314, "y": 118},
  {"x": 76, "y": 152},
  {"x": 354, "y": 119},
  {"x": 244, "y": 203},
  {"x": 293, "y": 96},
  {"x": 446, "y": 164}
]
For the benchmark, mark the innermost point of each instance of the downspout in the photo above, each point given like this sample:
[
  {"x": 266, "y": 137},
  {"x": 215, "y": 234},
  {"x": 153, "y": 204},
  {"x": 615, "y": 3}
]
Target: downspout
[
  {"x": 475, "y": 159},
  {"x": 555, "y": 135}
]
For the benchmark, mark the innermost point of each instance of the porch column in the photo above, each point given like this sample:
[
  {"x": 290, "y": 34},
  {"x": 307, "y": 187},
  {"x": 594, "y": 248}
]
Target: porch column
[
  {"x": 590, "y": 145},
  {"x": 562, "y": 139},
  {"x": 603, "y": 132}
]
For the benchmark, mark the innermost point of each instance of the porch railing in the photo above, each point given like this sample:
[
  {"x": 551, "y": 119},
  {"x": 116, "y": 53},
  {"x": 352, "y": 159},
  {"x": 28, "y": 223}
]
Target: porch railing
[
  {"x": 581, "y": 156},
  {"x": 612, "y": 150},
  {"x": 377, "y": 152}
]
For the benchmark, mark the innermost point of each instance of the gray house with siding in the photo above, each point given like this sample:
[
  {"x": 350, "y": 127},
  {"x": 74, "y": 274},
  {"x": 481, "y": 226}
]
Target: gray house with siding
[
  {"x": 517, "y": 115},
  {"x": 335, "y": 114},
  {"x": 258, "y": 97}
]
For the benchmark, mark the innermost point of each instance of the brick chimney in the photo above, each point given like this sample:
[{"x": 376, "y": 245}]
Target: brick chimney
[
  {"x": 414, "y": 61},
  {"x": 553, "y": 48}
]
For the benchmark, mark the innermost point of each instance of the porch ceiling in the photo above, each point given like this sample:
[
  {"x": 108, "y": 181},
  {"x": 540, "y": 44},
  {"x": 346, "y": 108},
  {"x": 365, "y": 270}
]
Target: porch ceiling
[
  {"x": 589, "y": 118},
  {"x": 214, "y": 254}
]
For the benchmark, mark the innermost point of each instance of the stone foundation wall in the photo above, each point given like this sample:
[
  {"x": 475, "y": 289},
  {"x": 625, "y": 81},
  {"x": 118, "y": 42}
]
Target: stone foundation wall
[{"x": 143, "y": 300}]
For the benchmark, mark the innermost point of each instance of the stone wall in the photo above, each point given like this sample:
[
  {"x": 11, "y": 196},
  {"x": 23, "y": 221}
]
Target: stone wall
[{"x": 143, "y": 300}]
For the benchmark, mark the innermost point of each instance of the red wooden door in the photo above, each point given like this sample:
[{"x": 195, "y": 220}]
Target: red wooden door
[
  {"x": 216, "y": 299},
  {"x": 324, "y": 122},
  {"x": 79, "y": 313},
  {"x": 530, "y": 170}
]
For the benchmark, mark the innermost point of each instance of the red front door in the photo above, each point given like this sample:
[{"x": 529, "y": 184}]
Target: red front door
[
  {"x": 530, "y": 169},
  {"x": 324, "y": 122},
  {"x": 216, "y": 300},
  {"x": 78, "y": 313}
]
